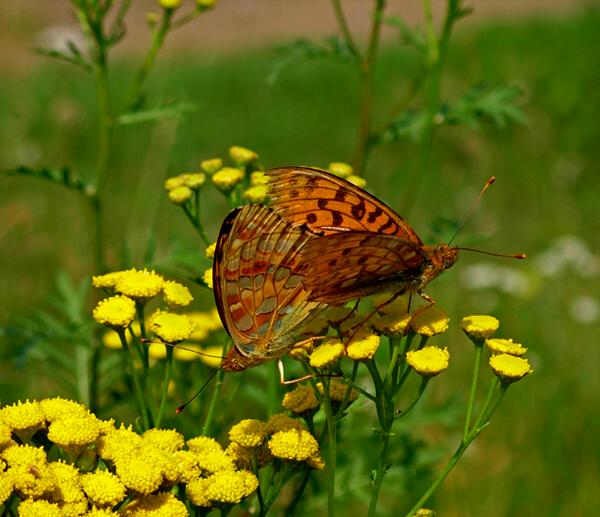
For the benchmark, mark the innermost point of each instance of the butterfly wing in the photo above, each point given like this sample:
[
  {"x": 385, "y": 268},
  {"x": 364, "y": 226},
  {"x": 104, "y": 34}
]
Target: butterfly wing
[
  {"x": 260, "y": 298},
  {"x": 328, "y": 204},
  {"x": 343, "y": 266}
]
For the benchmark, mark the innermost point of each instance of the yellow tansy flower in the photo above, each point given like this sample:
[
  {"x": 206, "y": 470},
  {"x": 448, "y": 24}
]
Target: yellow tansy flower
[
  {"x": 505, "y": 346},
  {"x": 103, "y": 488},
  {"x": 140, "y": 285},
  {"x": 139, "y": 474},
  {"x": 74, "y": 431},
  {"x": 215, "y": 461},
  {"x": 115, "y": 312},
  {"x": 176, "y": 294},
  {"x": 227, "y": 178},
  {"x": 165, "y": 439},
  {"x": 187, "y": 465},
  {"x": 282, "y": 422},
  {"x": 231, "y": 486},
  {"x": 193, "y": 180},
  {"x": 295, "y": 444},
  {"x": 425, "y": 512},
  {"x": 392, "y": 325},
  {"x": 180, "y": 195},
  {"x": 258, "y": 178},
  {"x": 23, "y": 416},
  {"x": 169, "y": 4},
  {"x": 357, "y": 180},
  {"x": 337, "y": 391},
  {"x": 101, "y": 512},
  {"x": 341, "y": 169},
  {"x": 249, "y": 432},
  {"x": 211, "y": 166},
  {"x": 39, "y": 508},
  {"x": 256, "y": 194},
  {"x": 301, "y": 399},
  {"x": 163, "y": 504},
  {"x": 5, "y": 437},
  {"x": 429, "y": 322},
  {"x": 479, "y": 327},
  {"x": 210, "y": 250},
  {"x": 509, "y": 368},
  {"x": 196, "y": 492},
  {"x": 68, "y": 492},
  {"x": 211, "y": 355},
  {"x": 241, "y": 456},
  {"x": 56, "y": 408},
  {"x": 107, "y": 281},
  {"x": 327, "y": 354},
  {"x": 316, "y": 462},
  {"x": 6, "y": 486},
  {"x": 171, "y": 327},
  {"x": 174, "y": 182},
  {"x": 118, "y": 443},
  {"x": 203, "y": 444},
  {"x": 241, "y": 155},
  {"x": 362, "y": 346},
  {"x": 428, "y": 361},
  {"x": 29, "y": 470},
  {"x": 208, "y": 278}
]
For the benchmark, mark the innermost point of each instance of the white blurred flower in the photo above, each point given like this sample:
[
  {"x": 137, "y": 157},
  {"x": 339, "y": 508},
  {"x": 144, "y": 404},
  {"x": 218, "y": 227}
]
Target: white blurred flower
[
  {"x": 584, "y": 309},
  {"x": 485, "y": 275},
  {"x": 568, "y": 253}
]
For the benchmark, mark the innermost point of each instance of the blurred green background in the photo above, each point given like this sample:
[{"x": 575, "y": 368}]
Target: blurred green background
[{"x": 541, "y": 454}]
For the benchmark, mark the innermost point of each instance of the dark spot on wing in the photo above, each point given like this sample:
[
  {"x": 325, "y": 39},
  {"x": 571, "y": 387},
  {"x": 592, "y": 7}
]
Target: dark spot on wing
[
  {"x": 362, "y": 260},
  {"x": 346, "y": 251},
  {"x": 332, "y": 263},
  {"x": 388, "y": 224},
  {"x": 311, "y": 218},
  {"x": 337, "y": 218},
  {"x": 340, "y": 195},
  {"x": 294, "y": 194},
  {"x": 374, "y": 214},
  {"x": 322, "y": 203},
  {"x": 358, "y": 211}
]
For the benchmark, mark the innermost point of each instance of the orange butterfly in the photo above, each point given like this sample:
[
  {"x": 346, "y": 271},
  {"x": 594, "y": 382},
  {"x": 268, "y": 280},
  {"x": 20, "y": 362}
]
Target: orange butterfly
[
  {"x": 261, "y": 300},
  {"x": 364, "y": 246}
]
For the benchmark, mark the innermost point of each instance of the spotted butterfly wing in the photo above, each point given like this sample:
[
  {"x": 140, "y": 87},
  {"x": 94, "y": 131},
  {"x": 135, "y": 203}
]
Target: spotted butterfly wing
[
  {"x": 328, "y": 204},
  {"x": 259, "y": 294}
]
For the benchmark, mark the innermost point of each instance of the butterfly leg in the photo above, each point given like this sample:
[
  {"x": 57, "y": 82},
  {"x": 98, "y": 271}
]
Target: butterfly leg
[
  {"x": 300, "y": 379},
  {"x": 430, "y": 303}
]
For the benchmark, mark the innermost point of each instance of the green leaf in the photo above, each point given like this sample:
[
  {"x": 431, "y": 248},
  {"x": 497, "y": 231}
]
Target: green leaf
[
  {"x": 302, "y": 50},
  {"x": 173, "y": 111},
  {"x": 411, "y": 124},
  {"x": 484, "y": 103},
  {"x": 64, "y": 177},
  {"x": 74, "y": 56},
  {"x": 411, "y": 36}
]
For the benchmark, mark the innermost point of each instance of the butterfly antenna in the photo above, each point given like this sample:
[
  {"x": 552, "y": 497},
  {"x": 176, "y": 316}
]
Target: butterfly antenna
[
  {"x": 506, "y": 255},
  {"x": 174, "y": 345},
  {"x": 487, "y": 185},
  {"x": 208, "y": 381}
]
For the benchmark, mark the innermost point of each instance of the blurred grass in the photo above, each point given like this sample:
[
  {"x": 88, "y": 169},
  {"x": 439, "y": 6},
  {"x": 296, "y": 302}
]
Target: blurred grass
[{"x": 540, "y": 456}]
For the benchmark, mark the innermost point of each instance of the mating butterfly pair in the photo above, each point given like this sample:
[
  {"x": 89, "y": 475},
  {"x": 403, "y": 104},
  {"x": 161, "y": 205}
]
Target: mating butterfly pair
[{"x": 323, "y": 241}]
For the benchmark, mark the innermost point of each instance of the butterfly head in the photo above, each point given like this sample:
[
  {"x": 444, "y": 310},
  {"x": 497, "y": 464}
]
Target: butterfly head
[
  {"x": 442, "y": 257},
  {"x": 236, "y": 362}
]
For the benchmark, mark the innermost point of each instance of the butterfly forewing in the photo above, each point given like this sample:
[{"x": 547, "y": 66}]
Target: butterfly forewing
[
  {"x": 258, "y": 291},
  {"x": 344, "y": 266},
  {"x": 328, "y": 204}
]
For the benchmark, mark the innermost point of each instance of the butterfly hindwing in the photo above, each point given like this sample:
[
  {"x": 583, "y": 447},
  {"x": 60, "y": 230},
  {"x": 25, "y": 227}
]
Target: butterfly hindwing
[{"x": 259, "y": 295}]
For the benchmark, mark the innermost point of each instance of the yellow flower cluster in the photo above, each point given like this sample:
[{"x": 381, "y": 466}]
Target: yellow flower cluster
[
  {"x": 171, "y": 327},
  {"x": 428, "y": 361},
  {"x": 303, "y": 400},
  {"x": 479, "y": 327},
  {"x": 138, "y": 471},
  {"x": 181, "y": 188}
]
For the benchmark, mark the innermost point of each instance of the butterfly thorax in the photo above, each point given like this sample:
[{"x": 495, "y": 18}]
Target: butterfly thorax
[{"x": 441, "y": 257}]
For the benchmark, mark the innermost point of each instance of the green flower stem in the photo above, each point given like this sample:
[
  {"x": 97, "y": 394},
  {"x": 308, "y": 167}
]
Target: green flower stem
[
  {"x": 332, "y": 446},
  {"x": 351, "y": 382},
  {"x": 422, "y": 387},
  {"x": 291, "y": 508},
  {"x": 158, "y": 38},
  {"x": 274, "y": 489},
  {"x": 380, "y": 471},
  {"x": 399, "y": 381},
  {"x": 82, "y": 360},
  {"x": 197, "y": 225},
  {"x": 389, "y": 375},
  {"x": 165, "y": 386},
  {"x": 497, "y": 392},
  {"x": 474, "y": 384},
  {"x": 206, "y": 428},
  {"x": 136, "y": 380},
  {"x": 95, "y": 375},
  {"x": 437, "y": 48},
  {"x": 366, "y": 83},
  {"x": 432, "y": 42},
  {"x": 344, "y": 29},
  {"x": 142, "y": 321}
]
